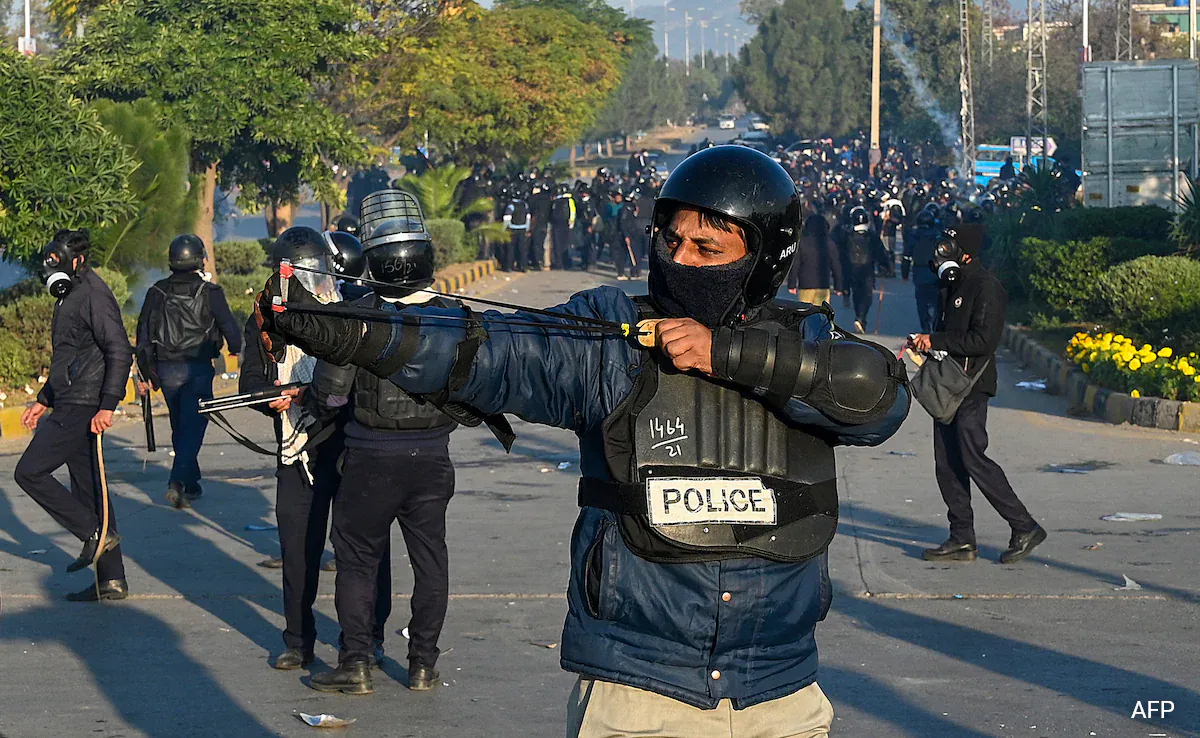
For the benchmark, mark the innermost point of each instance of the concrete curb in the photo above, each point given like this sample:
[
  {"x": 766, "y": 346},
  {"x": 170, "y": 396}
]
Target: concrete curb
[
  {"x": 1086, "y": 399},
  {"x": 451, "y": 279}
]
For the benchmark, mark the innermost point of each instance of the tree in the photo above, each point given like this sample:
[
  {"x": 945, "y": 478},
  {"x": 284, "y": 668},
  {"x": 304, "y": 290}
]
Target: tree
[
  {"x": 238, "y": 76},
  {"x": 800, "y": 72},
  {"x": 488, "y": 84},
  {"x": 756, "y": 11},
  {"x": 625, "y": 31},
  {"x": 59, "y": 167},
  {"x": 437, "y": 191},
  {"x": 651, "y": 93},
  {"x": 165, "y": 207}
]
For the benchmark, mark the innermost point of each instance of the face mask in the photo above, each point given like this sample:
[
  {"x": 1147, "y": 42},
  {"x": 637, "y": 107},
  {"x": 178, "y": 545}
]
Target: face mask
[
  {"x": 705, "y": 294},
  {"x": 947, "y": 260},
  {"x": 58, "y": 270}
]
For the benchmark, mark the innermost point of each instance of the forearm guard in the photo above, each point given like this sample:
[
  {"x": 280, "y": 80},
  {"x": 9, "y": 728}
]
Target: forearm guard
[{"x": 848, "y": 380}]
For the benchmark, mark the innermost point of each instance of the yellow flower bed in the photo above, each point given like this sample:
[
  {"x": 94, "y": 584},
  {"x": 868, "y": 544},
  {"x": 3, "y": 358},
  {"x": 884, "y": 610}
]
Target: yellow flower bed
[{"x": 1116, "y": 362}]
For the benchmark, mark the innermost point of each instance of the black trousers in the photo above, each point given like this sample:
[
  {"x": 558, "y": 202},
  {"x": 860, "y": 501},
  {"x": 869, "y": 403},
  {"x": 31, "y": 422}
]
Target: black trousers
[
  {"x": 518, "y": 249},
  {"x": 927, "y": 303},
  {"x": 862, "y": 291},
  {"x": 959, "y": 452},
  {"x": 625, "y": 257},
  {"x": 302, "y": 511},
  {"x": 414, "y": 486},
  {"x": 536, "y": 250},
  {"x": 64, "y": 436},
  {"x": 560, "y": 245},
  {"x": 184, "y": 385}
]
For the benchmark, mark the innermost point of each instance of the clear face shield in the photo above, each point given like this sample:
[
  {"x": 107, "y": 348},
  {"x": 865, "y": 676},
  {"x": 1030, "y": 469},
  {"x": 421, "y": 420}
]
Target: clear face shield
[{"x": 323, "y": 286}]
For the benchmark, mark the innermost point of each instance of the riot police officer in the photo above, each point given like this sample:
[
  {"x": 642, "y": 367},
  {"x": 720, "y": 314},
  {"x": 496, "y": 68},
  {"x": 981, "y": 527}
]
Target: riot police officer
[
  {"x": 562, "y": 227},
  {"x": 919, "y": 245},
  {"x": 307, "y": 475},
  {"x": 184, "y": 321},
  {"x": 862, "y": 252},
  {"x": 736, "y": 563},
  {"x": 397, "y": 466},
  {"x": 88, "y": 370}
]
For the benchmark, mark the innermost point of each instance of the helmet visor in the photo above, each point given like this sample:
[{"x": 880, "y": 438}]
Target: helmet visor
[{"x": 322, "y": 286}]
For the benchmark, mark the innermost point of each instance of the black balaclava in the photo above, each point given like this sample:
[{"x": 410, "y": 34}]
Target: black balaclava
[{"x": 705, "y": 294}]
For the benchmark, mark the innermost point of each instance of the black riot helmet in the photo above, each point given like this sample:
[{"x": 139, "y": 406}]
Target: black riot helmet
[
  {"x": 398, "y": 249},
  {"x": 186, "y": 253},
  {"x": 860, "y": 221},
  {"x": 346, "y": 254},
  {"x": 308, "y": 250},
  {"x": 747, "y": 188},
  {"x": 926, "y": 219},
  {"x": 347, "y": 224}
]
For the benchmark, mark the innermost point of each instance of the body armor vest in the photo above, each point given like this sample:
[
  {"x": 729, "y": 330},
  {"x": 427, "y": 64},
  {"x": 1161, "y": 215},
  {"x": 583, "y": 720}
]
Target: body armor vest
[
  {"x": 381, "y": 405},
  {"x": 704, "y": 471}
]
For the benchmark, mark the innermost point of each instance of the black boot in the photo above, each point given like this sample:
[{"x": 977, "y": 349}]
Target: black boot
[
  {"x": 91, "y": 551},
  {"x": 951, "y": 550},
  {"x": 421, "y": 678},
  {"x": 1021, "y": 544},
  {"x": 349, "y": 678},
  {"x": 176, "y": 496},
  {"x": 293, "y": 658},
  {"x": 113, "y": 589}
]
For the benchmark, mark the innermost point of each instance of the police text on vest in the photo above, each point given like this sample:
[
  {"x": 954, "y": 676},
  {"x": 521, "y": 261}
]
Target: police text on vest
[{"x": 741, "y": 500}]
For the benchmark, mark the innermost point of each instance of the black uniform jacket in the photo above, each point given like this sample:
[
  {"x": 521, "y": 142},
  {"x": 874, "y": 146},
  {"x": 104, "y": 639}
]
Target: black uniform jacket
[{"x": 970, "y": 323}]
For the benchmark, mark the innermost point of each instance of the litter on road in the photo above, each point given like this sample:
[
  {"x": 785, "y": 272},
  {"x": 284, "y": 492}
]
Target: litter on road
[
  {"x": 39, "y": 551},
  {"x": 1129, "y": 586},
  {"x": 1094, "y": 547},
  {"x": 1123, "y": 517},
  {"x": 1037, "y": 385},
  {"x": 1187, "y": 458},
  {"x": 905, "y": 454},
  {"x": 545, "y": 644},
  {"x": 257, "y": 528},
  {"x": 325, "y": 721}
]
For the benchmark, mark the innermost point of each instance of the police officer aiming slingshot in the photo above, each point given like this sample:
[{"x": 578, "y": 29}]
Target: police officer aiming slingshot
[{"x": 684, "y": 619}]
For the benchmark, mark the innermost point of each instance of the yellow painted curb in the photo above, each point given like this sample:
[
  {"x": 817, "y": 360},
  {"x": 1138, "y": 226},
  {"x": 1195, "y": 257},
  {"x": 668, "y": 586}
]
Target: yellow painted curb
[{"x": 10, "y": 422}]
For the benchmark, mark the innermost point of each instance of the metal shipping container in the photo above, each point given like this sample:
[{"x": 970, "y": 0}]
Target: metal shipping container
[{"x": 1140, "y": 134}]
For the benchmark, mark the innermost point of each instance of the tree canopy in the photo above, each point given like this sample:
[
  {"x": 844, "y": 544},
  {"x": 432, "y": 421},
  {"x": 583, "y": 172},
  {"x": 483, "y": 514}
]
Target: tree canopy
[
  {"x": 59, "y": 167},
  {"x": 516, "y": 81},
  {"x": 794, "y": 71},
  {"x": 238, "y": 75}
]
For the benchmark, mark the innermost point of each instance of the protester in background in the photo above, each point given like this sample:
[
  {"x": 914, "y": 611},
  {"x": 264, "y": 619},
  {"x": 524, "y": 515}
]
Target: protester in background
[
  {"x": 968, "y": 329},
  {"x": 89, "y": 367},
  {"x": 818, "y": 266},
  {"x": 183, "y": 324}
]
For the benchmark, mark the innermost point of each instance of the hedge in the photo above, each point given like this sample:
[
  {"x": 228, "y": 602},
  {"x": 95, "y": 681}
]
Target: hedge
[
  {"x": 238, "y": 257},
  {"x": 450, "y": 242},
  {"x": 1146, "y": 223},
  {"x": 1156, "y": 298},
  {"x": 241, "y": 289}
]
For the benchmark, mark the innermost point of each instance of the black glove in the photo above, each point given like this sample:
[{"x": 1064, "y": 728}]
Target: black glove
[{"x": 325, "y": 335}]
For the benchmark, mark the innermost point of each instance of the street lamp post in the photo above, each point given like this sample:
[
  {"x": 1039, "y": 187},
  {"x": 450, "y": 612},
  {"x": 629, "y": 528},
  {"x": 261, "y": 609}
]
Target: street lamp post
[
  {"x": 26, "y": 45},
  {"x": 703, "y": 63},
  {"x": 876, "y": 153},
  {"x": 666, "y": 32},
  {"x": 687, "y": 43}
]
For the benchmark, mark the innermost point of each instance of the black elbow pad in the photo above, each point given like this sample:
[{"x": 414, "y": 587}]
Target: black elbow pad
[
  {"x": 849, "y": 381},
  {"x": 856, "y": 382}
]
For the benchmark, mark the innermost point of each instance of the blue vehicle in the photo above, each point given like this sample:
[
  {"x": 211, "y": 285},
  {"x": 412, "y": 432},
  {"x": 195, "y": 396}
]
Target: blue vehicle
[{"x": 989, "y": 158}]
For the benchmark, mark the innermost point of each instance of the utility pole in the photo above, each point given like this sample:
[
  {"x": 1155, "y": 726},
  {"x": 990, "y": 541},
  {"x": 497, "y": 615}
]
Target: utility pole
[
  {"x": 1085, "y": 45},
  {"x": 1124, "y": 30},
  {"x": 26, "y": 44},
  {"x": 1191, "y": 28},
  {"x": 876, "y": 154},
  {"x": 666, "y": 33},
  {"x": 727, "y": 52},
  {"x": 703, "y": 62},
  {"x": 687, "y": 43},
  {"x": 988, "y": 40},
  {"x": 1036, "y": 114},
  {"x": 966, "y": 91}
]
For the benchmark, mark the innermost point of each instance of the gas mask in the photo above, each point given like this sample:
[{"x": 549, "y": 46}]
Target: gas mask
[
  {"x": 947, "y": 260},
  {"x": 58, "y": 268}
]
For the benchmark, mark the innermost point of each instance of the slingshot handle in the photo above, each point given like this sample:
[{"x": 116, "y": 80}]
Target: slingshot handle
[{"x": 648, "y": 333}]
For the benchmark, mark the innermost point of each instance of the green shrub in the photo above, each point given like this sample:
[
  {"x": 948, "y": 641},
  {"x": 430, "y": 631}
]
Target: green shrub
[
  {"x": 238, "y": 257},
  {"x": 27, "y": 318},
  {"x": 450, "y": 242},
  {"x": 241, "y": 289},
  {"x": 116, "y": 282},
  {"x": 1064, "y": 275},
  {"x": 1156, "y": 298},
  {"x": 1146, "y": 223},
  {"x": 1122, "y": 249},
  {"x": 16, "y": 363}
]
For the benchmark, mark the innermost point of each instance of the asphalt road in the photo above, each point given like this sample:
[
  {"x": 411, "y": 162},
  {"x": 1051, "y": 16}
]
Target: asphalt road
[{"x": 1048, "y": 647}]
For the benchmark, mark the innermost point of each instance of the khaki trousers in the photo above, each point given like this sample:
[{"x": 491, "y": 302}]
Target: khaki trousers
[
  {"x": 813, "y": 297},
  {"x": 606, "y": 710}
]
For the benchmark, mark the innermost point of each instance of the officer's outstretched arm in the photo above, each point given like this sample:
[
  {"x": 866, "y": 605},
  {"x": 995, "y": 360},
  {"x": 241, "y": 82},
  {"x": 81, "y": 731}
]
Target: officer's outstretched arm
[{"x": 817, "y": 376}]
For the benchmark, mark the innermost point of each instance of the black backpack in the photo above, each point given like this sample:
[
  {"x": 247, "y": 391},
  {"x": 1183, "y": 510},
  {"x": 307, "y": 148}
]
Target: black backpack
[
  {"x": 185, "y": 328},
  {"x": 859, "y": 249}
]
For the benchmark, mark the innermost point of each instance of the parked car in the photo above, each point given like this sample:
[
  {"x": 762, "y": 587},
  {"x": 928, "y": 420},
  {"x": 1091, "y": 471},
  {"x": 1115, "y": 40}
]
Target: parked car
[
  {"x": 727, "y": 122},
  {"x": 758, "y": 124}
]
